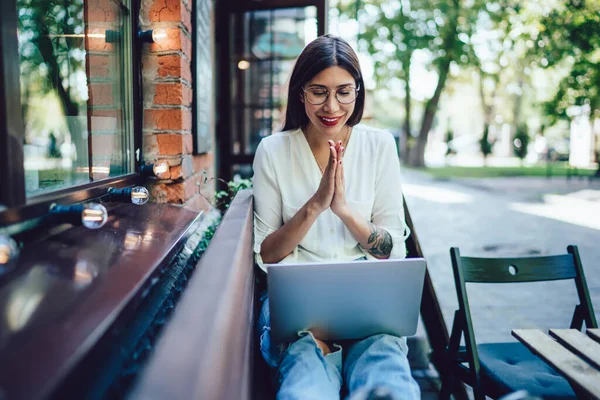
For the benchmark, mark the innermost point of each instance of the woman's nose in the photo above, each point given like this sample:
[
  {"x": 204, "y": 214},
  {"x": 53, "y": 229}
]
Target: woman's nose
[{"x": 331, "y": 104}]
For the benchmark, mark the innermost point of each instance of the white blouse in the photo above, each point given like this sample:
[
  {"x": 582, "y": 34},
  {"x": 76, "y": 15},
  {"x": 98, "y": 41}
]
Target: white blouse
[{"x": 286, "y": 175}]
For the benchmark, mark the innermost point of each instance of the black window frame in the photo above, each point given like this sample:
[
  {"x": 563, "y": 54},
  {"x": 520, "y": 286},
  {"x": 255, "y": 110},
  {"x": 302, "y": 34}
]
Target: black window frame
[{"x": 15, "y": 207}]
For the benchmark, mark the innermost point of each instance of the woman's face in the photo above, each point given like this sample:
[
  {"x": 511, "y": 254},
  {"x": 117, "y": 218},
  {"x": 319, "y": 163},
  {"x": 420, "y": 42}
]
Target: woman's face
[{"x": 329, "y": 118}]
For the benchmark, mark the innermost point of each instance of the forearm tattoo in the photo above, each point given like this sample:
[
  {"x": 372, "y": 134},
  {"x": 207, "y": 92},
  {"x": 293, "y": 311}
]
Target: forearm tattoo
[{"x": 380, "y": 241}]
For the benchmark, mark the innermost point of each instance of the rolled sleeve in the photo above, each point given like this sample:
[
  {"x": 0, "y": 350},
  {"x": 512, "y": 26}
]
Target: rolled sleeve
[
  {"x": 388, "y": 206},
  {"x": 267, "y": 200}
]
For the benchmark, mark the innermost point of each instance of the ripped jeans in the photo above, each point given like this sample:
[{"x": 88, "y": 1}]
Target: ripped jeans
[{"x": 304, "y": 373}]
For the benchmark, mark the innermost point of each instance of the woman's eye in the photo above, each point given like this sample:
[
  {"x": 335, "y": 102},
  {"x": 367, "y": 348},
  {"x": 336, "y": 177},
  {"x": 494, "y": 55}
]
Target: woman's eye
[
  {"x": 319, "y": 93},
  {"x": 343, "y": 93}
]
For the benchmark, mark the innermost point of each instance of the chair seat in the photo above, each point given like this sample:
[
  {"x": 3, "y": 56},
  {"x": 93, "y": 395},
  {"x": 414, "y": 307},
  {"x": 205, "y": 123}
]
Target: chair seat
[{"x": 508, "y": 367}]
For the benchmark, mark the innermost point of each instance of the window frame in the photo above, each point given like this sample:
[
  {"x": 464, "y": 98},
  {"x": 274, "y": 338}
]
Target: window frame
[{"x": 15, "y": 206}]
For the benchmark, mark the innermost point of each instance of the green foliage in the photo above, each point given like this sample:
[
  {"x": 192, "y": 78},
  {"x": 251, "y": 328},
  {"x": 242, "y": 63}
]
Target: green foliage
[
  {"x": 570, "y": 37},
  {"x": 521, "y": 141},
  {"x": 484, "y": 142},
  {"x": 225, "y": 197}
]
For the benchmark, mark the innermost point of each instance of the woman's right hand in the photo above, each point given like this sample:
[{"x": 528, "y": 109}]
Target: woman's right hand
[{"x": 324, "y": 194}]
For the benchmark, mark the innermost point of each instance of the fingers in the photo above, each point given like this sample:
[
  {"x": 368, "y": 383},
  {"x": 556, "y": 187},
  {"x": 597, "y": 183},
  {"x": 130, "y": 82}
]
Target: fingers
[
  {"x": 332, "y": 159},
  {"x": 339, "y": 174}
]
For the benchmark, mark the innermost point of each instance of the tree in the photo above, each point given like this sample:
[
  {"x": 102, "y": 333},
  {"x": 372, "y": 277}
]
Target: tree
[
  {"x": 569, "y": 35},
  {"x": 521, "y": 142},
  {"x": 484, "y": 143},
  {"x": 392, "y": 31},
  {"x": 449, "y": 138}
]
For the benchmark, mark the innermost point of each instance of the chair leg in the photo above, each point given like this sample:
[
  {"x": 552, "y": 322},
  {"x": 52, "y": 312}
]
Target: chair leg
[
  {"x": 478, "y": 391},
  {"x": 448, "y": 382}
]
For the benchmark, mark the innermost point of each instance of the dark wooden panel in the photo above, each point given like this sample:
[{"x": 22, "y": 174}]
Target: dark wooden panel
[
  {"x": 206, "y": 350},
  {"x": 69, "y": 288},
  {"x": 526, "y": 269}
]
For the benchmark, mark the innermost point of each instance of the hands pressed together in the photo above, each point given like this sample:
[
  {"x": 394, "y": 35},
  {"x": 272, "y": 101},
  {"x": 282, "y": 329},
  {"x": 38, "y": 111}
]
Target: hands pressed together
[{"x": 332, "y": 191}]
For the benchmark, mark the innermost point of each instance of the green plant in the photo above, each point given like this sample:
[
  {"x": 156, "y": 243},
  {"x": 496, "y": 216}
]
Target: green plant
[{"x": 223, "y": 198}]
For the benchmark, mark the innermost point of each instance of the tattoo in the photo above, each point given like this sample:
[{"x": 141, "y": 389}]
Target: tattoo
[{"x": 380, "y": 241}]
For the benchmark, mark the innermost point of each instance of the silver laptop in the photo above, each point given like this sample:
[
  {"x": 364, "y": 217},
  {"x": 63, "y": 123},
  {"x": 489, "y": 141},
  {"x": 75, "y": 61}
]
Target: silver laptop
[{"x": 348, "y": 300}]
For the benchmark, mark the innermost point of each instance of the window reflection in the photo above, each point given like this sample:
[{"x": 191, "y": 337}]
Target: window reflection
[
  {"x": 265, "y": 45},
  {"x": 72, "y": 97}
]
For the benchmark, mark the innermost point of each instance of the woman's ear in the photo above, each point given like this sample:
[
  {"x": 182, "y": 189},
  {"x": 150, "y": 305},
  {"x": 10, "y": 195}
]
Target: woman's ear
[{"x": 301, "y": 94}]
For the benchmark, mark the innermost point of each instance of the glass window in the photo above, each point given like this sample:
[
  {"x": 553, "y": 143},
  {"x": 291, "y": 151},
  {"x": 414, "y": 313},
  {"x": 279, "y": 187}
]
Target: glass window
[
  {"x": 73, "y": 60},
  {"x": 265, "y": 45}
]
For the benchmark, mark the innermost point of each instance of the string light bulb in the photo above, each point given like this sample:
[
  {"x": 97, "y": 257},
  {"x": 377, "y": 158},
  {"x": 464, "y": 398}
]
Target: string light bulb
[
  {"x": 159, "y": 169},
  {"x": 152, "y": 35},
  {"x": 138, "y": 195},
  {"x": 9, "y": 251},
  {"x": 90, "y": 215}
]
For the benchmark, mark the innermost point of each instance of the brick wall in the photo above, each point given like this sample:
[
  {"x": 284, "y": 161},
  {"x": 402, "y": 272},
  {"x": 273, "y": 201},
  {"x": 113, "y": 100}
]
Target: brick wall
[{"x": 168, "y": 88}]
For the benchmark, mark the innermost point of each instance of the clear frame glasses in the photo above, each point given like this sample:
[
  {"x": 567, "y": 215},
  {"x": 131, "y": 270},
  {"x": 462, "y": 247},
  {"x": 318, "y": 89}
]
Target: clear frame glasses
[{"x": 319, "y": 95}]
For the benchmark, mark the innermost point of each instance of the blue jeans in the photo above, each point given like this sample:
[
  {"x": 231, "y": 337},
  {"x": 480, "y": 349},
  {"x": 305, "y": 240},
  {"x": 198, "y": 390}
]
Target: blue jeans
[{"x": 304, "y": 373}]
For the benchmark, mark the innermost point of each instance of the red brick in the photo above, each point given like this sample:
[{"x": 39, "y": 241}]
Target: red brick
[
  {"x": 174, "y": 66},
  {"x": 102, "y": 11},
  {"x": 170, "y": 11},
  {"x": 184, "y": 170},
  {"x": 99, "y": 65},
  {"x": 176, "y": 40},
  {"x": 175, "y": 192},
  {"x": 173, "y": 144},
  {"x": 172, "y": 119},
  {"x": 101, "y": 94},
  {"x": 105, "y": 113},
  {"x": 95, "y": 40},
  {"x": 203, "y": 161},
  {"x": 172, "y": 94}
]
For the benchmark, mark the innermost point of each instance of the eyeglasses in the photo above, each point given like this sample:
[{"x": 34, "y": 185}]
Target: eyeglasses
[{"x": 344, "y": 95}]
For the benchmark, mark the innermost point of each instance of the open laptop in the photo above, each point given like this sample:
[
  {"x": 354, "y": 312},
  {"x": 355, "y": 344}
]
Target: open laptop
[{"x": 345, "y": 300}]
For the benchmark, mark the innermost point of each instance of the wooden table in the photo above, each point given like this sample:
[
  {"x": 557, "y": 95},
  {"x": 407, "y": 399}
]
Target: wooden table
[{"x": 573, "y": 354}]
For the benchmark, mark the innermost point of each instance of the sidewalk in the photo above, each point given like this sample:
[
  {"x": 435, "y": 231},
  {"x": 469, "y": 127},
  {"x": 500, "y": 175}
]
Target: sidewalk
[
  {"x": 535, "y": 186},
  {"x": 502, "y": 217}
]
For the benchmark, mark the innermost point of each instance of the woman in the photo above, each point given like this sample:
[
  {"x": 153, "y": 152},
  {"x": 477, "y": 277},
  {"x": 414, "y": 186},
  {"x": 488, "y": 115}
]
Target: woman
[{"x": 328, "y": 189}]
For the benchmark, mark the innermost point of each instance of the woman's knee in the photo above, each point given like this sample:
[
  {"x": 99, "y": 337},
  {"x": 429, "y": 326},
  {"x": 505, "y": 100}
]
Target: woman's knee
[{"x": 384, "y": 342}]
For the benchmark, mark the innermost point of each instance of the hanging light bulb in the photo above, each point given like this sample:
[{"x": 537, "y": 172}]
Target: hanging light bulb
[
  {"x": 138, "y": 195},
  {"x": 90, "y": 215},
  {"x": 9, "y": 251}
]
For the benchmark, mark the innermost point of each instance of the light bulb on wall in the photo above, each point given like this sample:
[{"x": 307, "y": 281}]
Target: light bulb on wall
[
  {"x": 159, "y": 169},
  {"x": 152, "y": 35},
  {"x": 243, "y": 65},
  {"x": 138, "y": 195},
  {"x": 90, "y": 215},
  {"x": 9, "y": 252}
]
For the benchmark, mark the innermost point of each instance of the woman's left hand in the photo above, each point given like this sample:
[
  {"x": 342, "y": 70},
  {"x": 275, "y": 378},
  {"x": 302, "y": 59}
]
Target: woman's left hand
[{"x": 338, "y": 204}]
